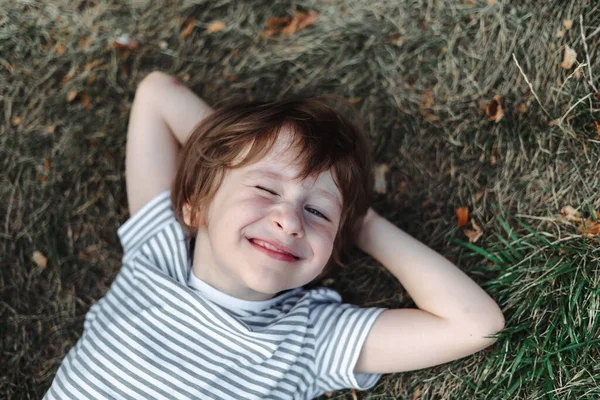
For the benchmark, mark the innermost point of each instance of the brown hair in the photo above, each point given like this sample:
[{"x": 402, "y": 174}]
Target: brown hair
[{"x": 324, "y": 138}]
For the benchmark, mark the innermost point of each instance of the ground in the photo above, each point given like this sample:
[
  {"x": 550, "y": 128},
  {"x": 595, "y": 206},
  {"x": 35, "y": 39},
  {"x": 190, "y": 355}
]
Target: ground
[{"x": 488, "y": 105}]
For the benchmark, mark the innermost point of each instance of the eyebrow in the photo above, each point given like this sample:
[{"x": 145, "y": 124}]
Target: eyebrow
[{"x": 277, "y": 175}]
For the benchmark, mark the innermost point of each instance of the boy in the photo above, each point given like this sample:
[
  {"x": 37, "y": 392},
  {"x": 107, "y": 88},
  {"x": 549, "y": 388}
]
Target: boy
[{"x": 273, "y": 194}]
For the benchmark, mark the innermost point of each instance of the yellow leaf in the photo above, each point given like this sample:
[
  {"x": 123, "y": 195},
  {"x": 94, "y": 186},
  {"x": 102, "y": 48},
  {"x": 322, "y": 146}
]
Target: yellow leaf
[
  {"x": 569, "y": 58},
  {"x": 215, "y": 26},
  {"x": 40, "y": 259},
  {"x": 570, "y": 213},
  {"x": 71, "y": 95},
  {"x": 60, "y": 50},
  {"x": 16, "y": 120},
  {"x": 474, "y": 234}
]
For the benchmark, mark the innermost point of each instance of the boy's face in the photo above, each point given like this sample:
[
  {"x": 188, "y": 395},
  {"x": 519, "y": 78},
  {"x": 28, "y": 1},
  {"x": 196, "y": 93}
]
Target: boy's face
[{"x": 302, "y": 216}]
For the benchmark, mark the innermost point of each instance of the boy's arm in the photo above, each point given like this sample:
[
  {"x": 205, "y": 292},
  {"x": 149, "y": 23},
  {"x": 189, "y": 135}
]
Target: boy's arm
[
  {"x": 163, "y": 114},
  {"x": 454, "y": 313}
]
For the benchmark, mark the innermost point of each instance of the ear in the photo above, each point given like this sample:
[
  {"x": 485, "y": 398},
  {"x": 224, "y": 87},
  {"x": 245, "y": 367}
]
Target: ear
[{"x": 186, "y": 210}]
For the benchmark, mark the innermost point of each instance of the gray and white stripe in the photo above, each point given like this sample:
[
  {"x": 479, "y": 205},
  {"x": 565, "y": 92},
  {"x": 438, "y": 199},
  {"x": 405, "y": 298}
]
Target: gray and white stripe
[{"x": 154, "y": 337}]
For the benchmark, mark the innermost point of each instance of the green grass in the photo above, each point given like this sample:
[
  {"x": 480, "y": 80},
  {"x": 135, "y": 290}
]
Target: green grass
[{"x": 541, "y": 271}]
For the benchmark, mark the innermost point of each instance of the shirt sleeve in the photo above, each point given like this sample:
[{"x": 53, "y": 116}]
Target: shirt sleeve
[
  {"x": 145, "y": 223},
  {"x": 341, "y": 332}
]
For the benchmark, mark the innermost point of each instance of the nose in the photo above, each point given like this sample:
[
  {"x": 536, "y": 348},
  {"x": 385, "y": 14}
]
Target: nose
[{"x": 287, "y": 218}]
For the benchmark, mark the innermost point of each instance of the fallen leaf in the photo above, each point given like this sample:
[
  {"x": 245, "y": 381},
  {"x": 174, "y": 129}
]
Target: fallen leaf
[
  {"x": 72, "y": 72},
  {"x": 474, "y": 234},
  {"x": 591, "y": 229},
  {"x": 396, "y": 39},
  {"x": 71, "y": 95},
  {"x": 16, "y": 120},
  {"x": 569, "y": 58},
  {"x": 40, "y": 259},
  {"x": 479, "y": 195},
  {"x": 215, "y": 26},
  {"x": 42, "y": 179},
  {"x": 568, "y": 23},
  {"x": 92, "y": 143},
  {"x": 521, "y": 108},
  {"x": 126, "y": 42},
  {"x": 462, "y": 214},
  {"x": 89, "y": 66},
  {"x": 554, "y": 122},
  {"x": 354, "y": 100},
  {"x": 577, "y": 73},
  {"x": 597, "y": 125},
  {"x": 490, "y": 2},
  {"x": 275, "y": 21},
  {"x": 570, "y": 214},
  {"x": 380, "y": 182},
  {"x": 50, "y": 129},
  {"x": 417, "y": 393},
  {"x": 494, "y": 109},
  {"x": 47, "y": 164},
  {"x": 559, "y": 33},
  {"x": 289, "y": 25},
  {"x": 189, "y": 27},
  {"x": 85, "y": 100},
  {"x": 89, "y": 253},
  {"x": 60, "y": 50}
]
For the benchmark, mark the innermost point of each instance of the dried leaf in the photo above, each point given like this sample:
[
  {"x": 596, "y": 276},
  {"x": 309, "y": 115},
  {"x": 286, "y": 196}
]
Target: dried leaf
[
  {"x": 85, "y": 100},
  {"x": 71, "y": 95},
  {"x": 559, "y": 33},
  {"x": 274, "y": 22},
  {"x": 474, "y": 234},
  {"x": 591, "y": 229},
  {"x": 189, "y": 27},
  {"x": 479, "y": 195},
  {"x": 569, "y": 58},
  {"x": 521, "y": 108},
  {"x": 47, "y": 164},
  {"x": 570, "y": 214},
  {"x": 490, "y": 2},
  {"x": 462, "y": 215},
  {"x": 40, "y": 259},
  {"x": 494, "y": 109},
  {"x": 215, "y": 26},
  {"x": 568, "y": 23},
  {"x": 60, "y": 50},
  {"x": 354, "y": 100},
  {"x": 597, "y": 125},
  {"x": 16, "y": 120},
  {"x": 416, "y": 394},
  {"x": 380, "y": 182},
  {"x": 289, "y": 25},
  {"x": 126, "y": 42},
  {"x": 89, "y": 253}
]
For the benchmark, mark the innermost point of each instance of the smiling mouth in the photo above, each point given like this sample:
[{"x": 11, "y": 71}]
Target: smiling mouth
[{"x": 274, "y": 254}]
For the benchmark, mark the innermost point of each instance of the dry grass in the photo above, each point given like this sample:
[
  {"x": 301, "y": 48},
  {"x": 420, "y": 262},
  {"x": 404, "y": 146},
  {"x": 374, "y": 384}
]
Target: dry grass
[{"x": 421, "y": 69}]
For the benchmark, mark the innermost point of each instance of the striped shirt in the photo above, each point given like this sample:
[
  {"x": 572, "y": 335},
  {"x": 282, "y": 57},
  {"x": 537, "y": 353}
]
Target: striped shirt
[{"x": 161, "y": 333}]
